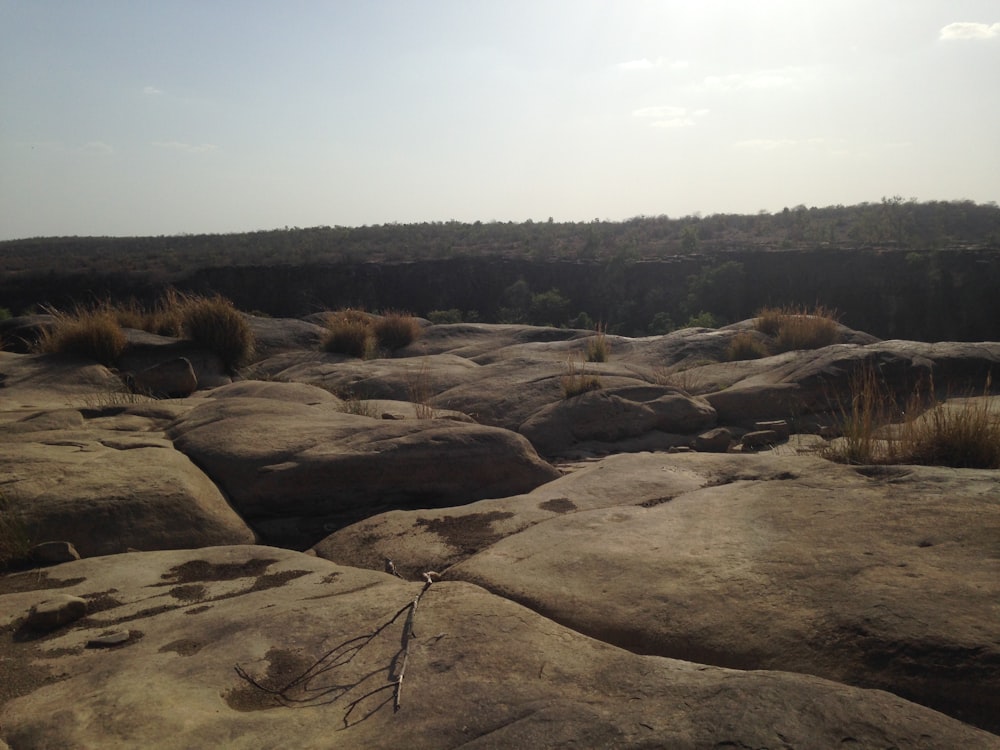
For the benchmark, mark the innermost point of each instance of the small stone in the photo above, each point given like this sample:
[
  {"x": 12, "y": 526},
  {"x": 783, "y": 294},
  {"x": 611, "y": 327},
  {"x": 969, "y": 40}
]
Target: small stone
[
  {"x": 56, "y": 611},
  {"x": 759, "y": 439},
  {"x": 780, "y": 427},
  {"x": 108, "y": 639},
  {"x": 716, "y": 440},
  {"x": 53, "y": 553}
]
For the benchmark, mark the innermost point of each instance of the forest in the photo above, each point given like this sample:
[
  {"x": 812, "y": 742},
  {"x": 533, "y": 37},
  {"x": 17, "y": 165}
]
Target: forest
[{"x": 896, "y": 268}]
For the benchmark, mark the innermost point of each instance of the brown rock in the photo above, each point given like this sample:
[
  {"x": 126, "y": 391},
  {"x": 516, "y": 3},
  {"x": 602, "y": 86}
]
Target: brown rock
[
  {"x": 53, "y": 553},
  {"x": 716, "y": 440},
  {"x": 759, "y": 439},
  {"x": 56, "y": 611},
  {"x": 481, "y": 672},
  {"x": 174, "y": 378}
]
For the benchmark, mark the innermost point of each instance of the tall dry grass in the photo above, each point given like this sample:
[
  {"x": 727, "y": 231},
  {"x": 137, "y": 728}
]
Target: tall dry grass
[
  {"x": 794, "y": 328},
  {"x": 215, "y": 324},
  {"x": 875, "y": 429},
  {"x": 87, "y": 332},
  {"x": 598, "y": 349}
]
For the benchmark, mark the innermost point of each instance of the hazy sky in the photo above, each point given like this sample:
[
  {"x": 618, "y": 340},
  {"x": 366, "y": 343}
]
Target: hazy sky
[{"x": 168, "y": 116}]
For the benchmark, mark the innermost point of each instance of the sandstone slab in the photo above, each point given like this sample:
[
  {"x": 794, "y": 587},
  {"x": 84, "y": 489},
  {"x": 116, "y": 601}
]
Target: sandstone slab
[{"x": 480, "y": 671}]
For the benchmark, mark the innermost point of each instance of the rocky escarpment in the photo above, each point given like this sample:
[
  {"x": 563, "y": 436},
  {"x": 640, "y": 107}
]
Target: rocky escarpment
[{"x": 588, "y": 586}]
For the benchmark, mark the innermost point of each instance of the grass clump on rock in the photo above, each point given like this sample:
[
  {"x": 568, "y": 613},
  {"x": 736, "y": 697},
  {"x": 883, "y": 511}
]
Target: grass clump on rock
[
  {"x": 745, "y": 345},
  {"x": 577, "y": 381},
  {"x": 394, "y": 330},
  {"x": 14, "y": 542},
  {"x": 598, "y": 349},
  {"x": 215, "y": 324},
  {"x": 794, "y": 328},
  {"x": 92, "y": 333},
  {"x": 359, "y": 334},
  {"x": 960, "y": 433}
]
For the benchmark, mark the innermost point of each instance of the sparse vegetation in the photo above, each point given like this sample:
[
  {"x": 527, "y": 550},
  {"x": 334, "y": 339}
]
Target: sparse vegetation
[
  {"x": 794, "y": 328},
  {"x": 597, "y": 345},
  {"x": 346, "y": 334},
  {"x": 360, "y": 334},
  {"x": 577, "y": 380},
  {"x": 14, "y": 542},
  {"x": 961, "y": 433},
  {"x": 214, "y": 323},
  {"x": 745, "y": 345},
  {"x": 92, "y": 333},
  {"x": 394, "y": 330}
]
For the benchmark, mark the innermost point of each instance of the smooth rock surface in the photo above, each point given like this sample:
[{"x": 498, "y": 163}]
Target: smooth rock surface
[{"x": 480, "y": 671}]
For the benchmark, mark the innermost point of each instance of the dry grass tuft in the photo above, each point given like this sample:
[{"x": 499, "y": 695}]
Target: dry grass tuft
[
  {"x": 92, "y": 333},
  {"x": 794, "y": 328},
  {"x": 14, "y": 542},
  {"x": 961, "y": 433},
  {"x": 598, "y": 349},
  {"x": 394, "y": 330},
  {"x": 577, "y": 380},
  {"x": 214, "y": 323},
  {"x": 745, "y": 345},
  {"x": 347, "y": 332}
]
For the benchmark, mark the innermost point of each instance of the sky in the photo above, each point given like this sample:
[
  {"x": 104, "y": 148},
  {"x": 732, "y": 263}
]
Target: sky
[{"x": 143, "y": 117}]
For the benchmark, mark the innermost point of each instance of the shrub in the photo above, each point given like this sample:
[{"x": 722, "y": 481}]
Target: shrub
[
  {"x": 578, "y": 381},
  {"x": 348, "y": 334},
  {"x": 745, "y": 345},
  {"x": 442, "y": 317},
  {"x": 394, "y": 330},
  {"x": 798, "y": 328},
  {"x": 14, "y": 542},
  {"x": 214, "y": 323},
  {"x": 702, "y": 320},
  {"x": 964, "y": 434},
  {"x": 960, "y": 435},
  {"x": 597, "y": 345},
  {"x": 92, "y": 333}
]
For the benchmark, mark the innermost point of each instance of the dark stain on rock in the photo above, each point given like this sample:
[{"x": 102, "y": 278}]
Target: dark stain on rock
[
  {"x": 654, "y": 501},
  {"x": 558, "y": 505},
  {"x": 190, "y": 592},
  {"x": 272, "y": 580},
  {"x": 887, "y": 473},
  {"x": 197, "y": 610},
  {"x": 182, "y": 646},
  {"x": 196, "y": 571},
  {"x": 101, "y": 601},
  {"x": 469, "y": 533},
  {"x": 283, "y": 667},
  {"x": 23, "y": 672},
  {"x": 34, "y": 580}
]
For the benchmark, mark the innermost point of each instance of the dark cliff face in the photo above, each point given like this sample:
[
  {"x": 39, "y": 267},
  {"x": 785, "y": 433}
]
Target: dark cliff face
[{"x": 893, "y": 294}]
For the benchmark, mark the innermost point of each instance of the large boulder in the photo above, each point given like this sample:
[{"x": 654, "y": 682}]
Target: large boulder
[
  {"x": 106, "y": 490},
  {"x": 250, "y": 647},
  {"x": 296, "y": 471},
  {"x": 875, "y": 576},
  {"x": 605, "y": 417}
]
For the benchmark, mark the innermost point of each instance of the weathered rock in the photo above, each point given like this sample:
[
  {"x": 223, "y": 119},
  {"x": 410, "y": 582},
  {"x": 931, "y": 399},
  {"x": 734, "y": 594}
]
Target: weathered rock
[
  {"x": 613, "y": 414},
  {"x": 716, "y": 440},
  {"x": 840, "y": 572},
  {"x": 480, "y": 671},
  {"x": 104, "y": 491},
  {"x": 53, "y": 553},
  {"x": 778, "y": 426},
  {"x": 55, "y": 611},
  {"x": 759, "y": 439},
  {"x": 298, "y": 471},
  {"x": 174, "y": 378}
]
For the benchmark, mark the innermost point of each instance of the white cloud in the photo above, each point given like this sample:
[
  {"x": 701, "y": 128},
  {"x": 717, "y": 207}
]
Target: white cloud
[
  {"x": 98, "y": 147},
  {"x": 764, "y": 144},
  {"x": 189, "y": 148},
  {"x": 670, "y": 117},
  {"x": 755, "y": 80},
  {"x": 966, "y": 30},
  {"x": 151, "y": 91},
  {"x": 645, "y": 63}
]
